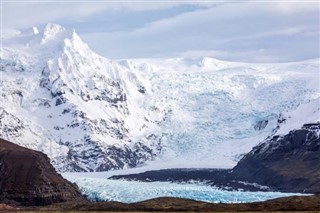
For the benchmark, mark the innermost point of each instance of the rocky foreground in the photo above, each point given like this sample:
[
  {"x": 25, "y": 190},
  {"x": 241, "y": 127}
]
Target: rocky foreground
[
  {"x": 27, "y": 178},
  {"x": 169, "y": 204}
]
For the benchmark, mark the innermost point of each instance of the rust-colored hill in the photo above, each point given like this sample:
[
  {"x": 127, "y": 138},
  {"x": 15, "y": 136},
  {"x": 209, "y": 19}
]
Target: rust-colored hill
[
  {"x": 169, "y": 204},
  {"x": 27, "y": 178}
]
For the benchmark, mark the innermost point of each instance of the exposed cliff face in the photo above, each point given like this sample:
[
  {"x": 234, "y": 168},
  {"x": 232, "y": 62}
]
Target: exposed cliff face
[
  {"x": 287, "y": 163},
  {"x": 28, "y": 178}
]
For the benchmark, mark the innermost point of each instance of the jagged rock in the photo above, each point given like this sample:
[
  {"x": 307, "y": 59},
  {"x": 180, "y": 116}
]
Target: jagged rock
[
  {"x": 260, "y": 125},
  {"x": 27, "y": 178}
]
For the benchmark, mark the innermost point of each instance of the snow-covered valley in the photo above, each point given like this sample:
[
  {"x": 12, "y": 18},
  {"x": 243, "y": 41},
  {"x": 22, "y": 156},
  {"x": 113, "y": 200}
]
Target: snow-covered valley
[{"x": 89, "y": 113}]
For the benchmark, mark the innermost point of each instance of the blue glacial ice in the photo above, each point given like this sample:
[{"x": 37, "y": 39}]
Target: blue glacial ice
[{"x": 99, "y": 189}]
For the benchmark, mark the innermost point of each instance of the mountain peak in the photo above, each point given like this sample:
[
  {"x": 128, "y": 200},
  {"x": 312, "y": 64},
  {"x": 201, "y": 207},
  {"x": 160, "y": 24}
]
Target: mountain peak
[
  {"x": 51, "y": 31},
  {"x": 73, "y": 42},
  {"x": 62, "y": 39},
  {"x": 35, "y": 30}
]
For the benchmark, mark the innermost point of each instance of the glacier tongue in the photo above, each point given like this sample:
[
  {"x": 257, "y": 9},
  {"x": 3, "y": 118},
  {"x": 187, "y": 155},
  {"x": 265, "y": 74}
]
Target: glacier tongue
[
  {"x": 101, "y": 189},
  {"x": 89, "y": 113},
  {"x": 213, "y": 113}
]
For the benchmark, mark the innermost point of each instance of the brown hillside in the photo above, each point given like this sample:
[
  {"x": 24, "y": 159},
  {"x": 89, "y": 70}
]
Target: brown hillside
[{"x": 28, "y": 178}]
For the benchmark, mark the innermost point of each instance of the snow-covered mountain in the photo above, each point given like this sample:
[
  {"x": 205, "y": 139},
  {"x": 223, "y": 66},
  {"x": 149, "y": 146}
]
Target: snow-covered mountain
[{"x": 88, "y": 113}]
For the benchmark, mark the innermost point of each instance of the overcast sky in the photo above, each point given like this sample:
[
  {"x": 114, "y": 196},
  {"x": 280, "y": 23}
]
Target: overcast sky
[{"x": 239, "y": 30}]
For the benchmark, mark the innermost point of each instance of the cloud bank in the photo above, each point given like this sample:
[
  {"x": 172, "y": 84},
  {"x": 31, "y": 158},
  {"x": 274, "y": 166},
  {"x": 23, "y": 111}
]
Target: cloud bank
[{"x": 242, "y": 31}]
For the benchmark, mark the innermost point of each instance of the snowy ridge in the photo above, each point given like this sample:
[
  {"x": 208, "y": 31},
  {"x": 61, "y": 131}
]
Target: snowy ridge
[
  {"x": 89, "y": 113},
  {"x": 85, "y": 108}
]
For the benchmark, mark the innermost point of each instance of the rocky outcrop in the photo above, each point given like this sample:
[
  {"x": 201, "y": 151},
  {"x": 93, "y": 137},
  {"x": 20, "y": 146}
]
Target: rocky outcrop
[
  {"x": 27, "y": 178},
  {"x": 286, "y": 163}
]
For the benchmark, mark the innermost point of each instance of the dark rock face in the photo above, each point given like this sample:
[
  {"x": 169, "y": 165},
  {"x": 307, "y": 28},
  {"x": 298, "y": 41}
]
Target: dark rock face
[
  {"x": 287, "y": 163},
  {"x": 27, "y": 178},
  {"x": 261, "y": 125}
]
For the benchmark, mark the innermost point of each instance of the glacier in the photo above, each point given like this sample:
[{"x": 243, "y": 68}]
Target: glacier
[
  {"x": 101, "y": 189},
  {"x": 213, "y": 113},
  {"x": 89, "y": 113}
]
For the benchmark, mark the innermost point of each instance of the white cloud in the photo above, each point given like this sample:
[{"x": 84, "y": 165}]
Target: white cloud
[
  {"x": 22, "y": 14},
  {"x": 237, "y": 18},
  {"x": 275, "y": 31},
  {"x": 294, "y": 7},
  {"x": 28, "y": 14}
]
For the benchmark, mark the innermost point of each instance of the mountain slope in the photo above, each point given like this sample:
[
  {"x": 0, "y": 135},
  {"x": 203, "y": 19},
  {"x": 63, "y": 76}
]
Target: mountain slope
[
  {"x": 88, "y": 113},
  {"x": 28, "y": 178},
  {"x": 80, "y": 109},
  {"x": 287, "y": 163}
]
